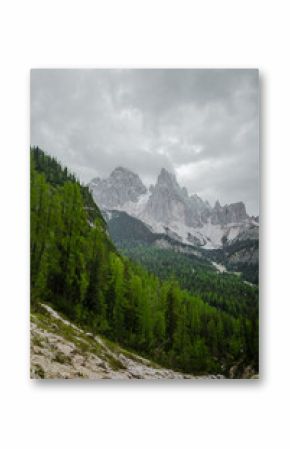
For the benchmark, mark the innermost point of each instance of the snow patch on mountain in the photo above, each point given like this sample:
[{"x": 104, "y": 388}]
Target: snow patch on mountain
[
  {"x": 167, "y": 208},
  {"x": 135, "y": 208}
]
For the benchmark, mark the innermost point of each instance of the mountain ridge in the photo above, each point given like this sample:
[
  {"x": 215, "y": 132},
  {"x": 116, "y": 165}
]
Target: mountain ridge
[{"x": 168, "y": 208}]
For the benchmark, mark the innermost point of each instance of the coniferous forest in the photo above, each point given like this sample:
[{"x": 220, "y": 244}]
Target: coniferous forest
[{"x": 201, "y": 323}]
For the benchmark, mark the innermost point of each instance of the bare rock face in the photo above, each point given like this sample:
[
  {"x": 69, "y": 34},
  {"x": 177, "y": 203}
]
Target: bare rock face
[
  {"x": 121, "y": 186},
  {"x": 61, "y": 350},
  {"x": 232, "y": 213},
  {"x": 168, "y": 208},
  {"x": 169, "y": 202},
  {"x": 202, "y": 208}
]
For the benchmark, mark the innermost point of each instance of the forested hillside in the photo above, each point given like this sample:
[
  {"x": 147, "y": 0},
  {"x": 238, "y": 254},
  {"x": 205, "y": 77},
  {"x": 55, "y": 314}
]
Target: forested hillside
[
  {"x": 225, "y": 291},
  {"x": 75, "y": 267},
  {"x": 132, "y": 235},
  {"x": 241, "y": 256}
]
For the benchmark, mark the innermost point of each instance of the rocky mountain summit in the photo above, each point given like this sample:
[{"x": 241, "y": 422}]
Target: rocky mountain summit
[
  {"x": 169, "y": 202},
  {"x": 121, "y": 187},
  {"x": 168, "y": 208}
]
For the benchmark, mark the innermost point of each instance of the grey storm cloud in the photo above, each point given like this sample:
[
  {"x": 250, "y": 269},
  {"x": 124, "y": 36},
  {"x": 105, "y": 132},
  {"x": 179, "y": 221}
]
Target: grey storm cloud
[{"x": 201, "y": 124}]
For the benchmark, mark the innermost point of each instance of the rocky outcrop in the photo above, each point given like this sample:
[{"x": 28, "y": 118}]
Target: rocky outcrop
[
  {"x": 61, "y": 350},
  {"x": 170, "y": 203},
  {"x": 240, "y": 372},
  {"x": 167, "y": 201},
  {"x": 232, "y": 213},
  {"x": 248, "y": 255}
]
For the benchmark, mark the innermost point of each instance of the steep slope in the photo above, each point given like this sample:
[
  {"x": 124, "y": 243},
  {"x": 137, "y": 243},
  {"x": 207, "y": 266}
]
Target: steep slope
[
  {"x": 56, "y": 176},
  {"x": 60, "y": 349},
  {"x": 169, "y": 203},
  {"x": 226, "y": 290},
  {"x": 127, "y": 231},
  {"x": 240, "y": 255},
  {"x": 126, "y": 228}
]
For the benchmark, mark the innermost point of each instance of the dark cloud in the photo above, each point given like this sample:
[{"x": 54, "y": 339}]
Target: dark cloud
[{"x": 203, "y": 124}]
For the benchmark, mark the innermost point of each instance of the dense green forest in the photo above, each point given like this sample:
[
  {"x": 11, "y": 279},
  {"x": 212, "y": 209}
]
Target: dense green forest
[
  {"x": 225, "y": 291},
  {"x": 75, "y": 267},
  {"x": 249, "y": 271},
  {"x": 132, "y": 235}
]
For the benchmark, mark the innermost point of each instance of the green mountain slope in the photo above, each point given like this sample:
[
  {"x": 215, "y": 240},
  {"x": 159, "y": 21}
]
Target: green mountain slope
[
  {"x": 240, "y": 256},
  {"x": 131, "y": 235},
  {"x": 225, "y": 291},
  {"x": 76, "y": 268}
]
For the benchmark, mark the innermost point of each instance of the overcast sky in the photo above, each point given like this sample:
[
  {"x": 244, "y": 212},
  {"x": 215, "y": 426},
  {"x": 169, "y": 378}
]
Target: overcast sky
[{"x": 200, "y": 124}]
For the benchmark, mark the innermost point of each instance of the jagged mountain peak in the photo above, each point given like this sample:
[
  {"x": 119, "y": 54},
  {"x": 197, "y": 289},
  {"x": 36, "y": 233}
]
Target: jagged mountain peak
[
  {"x": 230, "y": 213},
  {"x": 168, "y": 185},
  {"x": 237, "y": 211},
  {"x": 120, "y": 187},
  {"x": 199, "y": 201},
  {"x": 116, "y": 173},
  {"x": 122, "y": 171},
  {"x": 167, "y": 205},
  {"x": 166, "y": 177},
  {"x": 165, "y": 172}
]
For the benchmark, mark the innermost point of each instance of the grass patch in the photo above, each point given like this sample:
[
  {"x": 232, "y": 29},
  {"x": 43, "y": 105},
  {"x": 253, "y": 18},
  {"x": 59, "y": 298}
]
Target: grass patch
[
  {"x": 114, "y": 363},
  {"x": 37, "y": 341},
  {"x": 130, "y": 354},
  {"x": 60, "y": 357},
  {"x": 39, "y": 372}
]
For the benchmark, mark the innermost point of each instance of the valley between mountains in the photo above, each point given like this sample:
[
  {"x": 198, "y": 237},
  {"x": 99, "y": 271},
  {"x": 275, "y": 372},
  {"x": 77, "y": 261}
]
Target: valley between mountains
[
  {"x": 131, "y": 282},
  {"x": 167, "y": 217}
]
